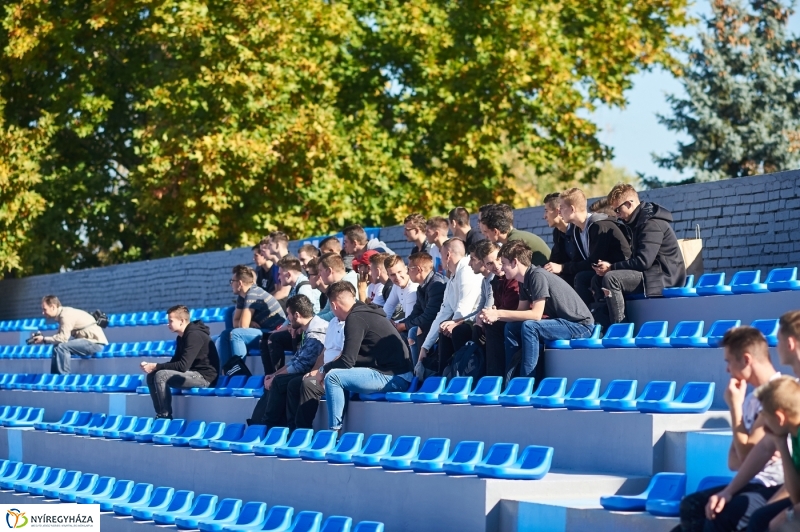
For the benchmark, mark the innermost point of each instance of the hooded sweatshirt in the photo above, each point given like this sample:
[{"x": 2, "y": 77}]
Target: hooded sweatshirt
[
  {"x": 194, "y": 351},
  {"x": 601, "y": 239},
  {"x": 654, "y": 249},
  {"x": 371, "y": 341}
]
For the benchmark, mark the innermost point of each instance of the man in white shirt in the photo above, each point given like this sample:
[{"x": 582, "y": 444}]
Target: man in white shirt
[
  {"x": 461, "y": 297},
  {"x": 404, "y": 292}
]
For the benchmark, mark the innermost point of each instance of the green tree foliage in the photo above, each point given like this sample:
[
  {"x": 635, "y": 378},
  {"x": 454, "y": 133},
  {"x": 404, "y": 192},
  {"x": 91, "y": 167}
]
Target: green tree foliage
[
  {"x": 742, "y": 113},
  {"x": 191, "y": 125}
]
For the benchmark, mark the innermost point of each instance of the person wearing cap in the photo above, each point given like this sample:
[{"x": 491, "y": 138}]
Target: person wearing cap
[{"x": 368, "y": 287}]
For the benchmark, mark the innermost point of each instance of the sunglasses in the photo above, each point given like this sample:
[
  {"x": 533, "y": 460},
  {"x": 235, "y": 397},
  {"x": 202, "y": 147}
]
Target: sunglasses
[{"x": 628, "y": 203}]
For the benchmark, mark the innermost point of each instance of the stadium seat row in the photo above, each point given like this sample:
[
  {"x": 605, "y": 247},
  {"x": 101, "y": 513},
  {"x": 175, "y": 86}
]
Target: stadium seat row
[
  {"x": 165, "y": 505},
  {"x": 129, "y": 319},
  {"x": 237, "y": 386},
  {"x": 71, "y": 383},
  {"x": 121, "y": 349},
  {"x": 656, "y": 334},
  {"x": 744, "y": 282}
]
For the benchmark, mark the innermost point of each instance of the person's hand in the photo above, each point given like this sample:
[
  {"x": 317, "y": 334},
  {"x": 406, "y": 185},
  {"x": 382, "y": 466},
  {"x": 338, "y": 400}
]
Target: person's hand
[
  {"x": 320, "y": 379},
  {"x": 400, "y": 326},
  {"x": 148, "y": 367},
  {"x": 312, "y": 373},
  {"x": 601, "y": 268},
  {"x": 489, "y": 315},
  {"x": 735, "y": 392},
  {"x": 419, "y": 370},
  {"x": 716, "y": 503},
  {"x": 446, "y": 328},
  {"x": 268, "y": 381},
  {"x": 552, "y": 267},
  {"x": 38, "y": 339}
]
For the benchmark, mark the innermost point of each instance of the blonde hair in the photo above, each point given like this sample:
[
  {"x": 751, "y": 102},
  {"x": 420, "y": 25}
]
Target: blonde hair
[
  {"x": 782, "y": 394},
  {"x": 575, "y": 198},
  {"x": 620, "y": 191},
  {"x": 790, "y": 324}
]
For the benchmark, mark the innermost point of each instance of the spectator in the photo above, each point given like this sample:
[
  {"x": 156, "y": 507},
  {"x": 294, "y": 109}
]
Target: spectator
[
  {"x": 332, "y": 244},
  {"x": 436, "y": 230},
  {"x": 404, "y": 291},
  {"x": 331, "y": 270},
  {"x": 291, "y": 275},
  {"x": 563, "y": 251},
  {"x": 461, "y": 296},
  {"x": 267, "y": 274},
  {"x": 194, "y": 364},
  {"x": 263, "y": 270},
  {"x": 306, "y": 253},
  {"x": 271, "y": 409},
  {"x": 382, "y": 285},
  {"x": 549, "y": 309},
  {"x": 361, "y": 267},
  {"x": 747, "y": 357},
  {"x": 356, "y": 243},
  {"x": 78, "y": 334},
  {"x": 506, "y": 297},
  {"x": 374, "y": 358},
  {"x": 461, "y": 228},
  {"x": 656, "y": 261},
  {"x": 414, "y": 231},
  {"x": 595, "y": 237},
  {"x": 256, "y": 312},
  {"x": 430, "y": 294},
  {"x": 277, "y": 248},
  {"x": 601, "y": 206},
  {"x": 497, "y": 225}
]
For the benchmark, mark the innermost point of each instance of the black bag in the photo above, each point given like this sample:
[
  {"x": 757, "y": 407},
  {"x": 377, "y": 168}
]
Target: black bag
[
  {"x": 236, "y": 366},
  {"x": 469, "y": 361},
  {"x": 101, "y": 318}
]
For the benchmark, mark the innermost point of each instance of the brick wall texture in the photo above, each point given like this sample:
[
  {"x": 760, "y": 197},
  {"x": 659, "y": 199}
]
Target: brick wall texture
[{"x": 745, "y": 223}]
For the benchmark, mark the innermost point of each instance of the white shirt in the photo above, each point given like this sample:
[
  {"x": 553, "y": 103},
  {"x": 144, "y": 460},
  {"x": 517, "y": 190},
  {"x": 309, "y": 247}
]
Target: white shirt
[
  {"x": 406, "y": 297},
  {"x": 461, "y": 296},
  {"x": 772, "y": 474},
  {"x": 334, "y": 340},
  {"x": 375, "y": 293},
  {"x": 437, "y": 259}
]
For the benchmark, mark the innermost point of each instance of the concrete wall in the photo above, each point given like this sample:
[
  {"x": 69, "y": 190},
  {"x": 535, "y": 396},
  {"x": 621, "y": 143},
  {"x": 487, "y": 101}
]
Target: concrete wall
[{"x": 746, "y": 223}]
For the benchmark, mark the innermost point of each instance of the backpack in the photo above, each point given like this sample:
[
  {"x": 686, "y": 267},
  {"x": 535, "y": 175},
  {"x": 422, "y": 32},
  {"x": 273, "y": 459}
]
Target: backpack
[
  {"x": 236, "y": 366},
  {"x": 469, "y": 361},
  {"x": 100, "y": 318}
]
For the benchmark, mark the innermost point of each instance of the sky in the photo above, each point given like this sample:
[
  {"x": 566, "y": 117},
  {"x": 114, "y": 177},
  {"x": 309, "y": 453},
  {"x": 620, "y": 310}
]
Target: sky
[{"x": 634, "y": 132}]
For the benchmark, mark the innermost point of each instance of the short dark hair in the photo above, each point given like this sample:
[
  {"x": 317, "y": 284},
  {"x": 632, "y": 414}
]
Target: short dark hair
[
  {"x": 313, "y": 266},
  {"x": 516, "y": 250},
  {"x": 256, "y": 247},
  {"x": 460, "y": 216},
  {"x": 456, "y": 245},
  {"x": 392, "y": 260},
  {"x": 495, "y": 218},
  {"x": 310, "y": 249},
  {"x": 301, "y": 304},
  {"x": 333, "y": 261},
  {"x": 181, "y": 311},
  {"x": 279, "y": 237},
  {"x": 355, "y": 233},
  {"x": 51, "y": 301},
  {"x": 290, "y": 263},
  {"x": 379, "y": 259},
  {"x": 745, "y": 339},
  {"x": 421, "y": 258},
  {"x": 438, "y": 223},
  {"x": 328, "y": 240},
  {"x": 550, "y": 198},
  {"x": 482, "y": 248},
  {"x": 602, "y": 206},
  {"x": 339, "y": 287},
  {"x": 244, "y": 273}
]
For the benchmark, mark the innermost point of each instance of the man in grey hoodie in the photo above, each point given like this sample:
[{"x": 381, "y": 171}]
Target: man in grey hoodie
[{"x": 356, "y": 242}]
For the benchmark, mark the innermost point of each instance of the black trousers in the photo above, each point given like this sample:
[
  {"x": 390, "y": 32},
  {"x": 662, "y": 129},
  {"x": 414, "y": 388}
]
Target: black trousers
[
  {"x": 273, "y": 347},
  {"x": 583, "y": 286},
  {"x": 736, "y": 515},
  {"x": 495, "y": 349},
  {"x": 759, "y": 521},
  {"x": 271, "y": 409},
  {"x": 448, "y": 345},
  {"x": 302, "y": 399}
]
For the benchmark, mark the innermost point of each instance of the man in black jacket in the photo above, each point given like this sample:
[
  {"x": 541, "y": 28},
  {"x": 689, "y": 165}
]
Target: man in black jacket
[
  {"x": 656, "y": 261},
  {"x": 430, "y": 294},
  {"x": 374, "y": 358},
  {"x": 194, "y": 364}
]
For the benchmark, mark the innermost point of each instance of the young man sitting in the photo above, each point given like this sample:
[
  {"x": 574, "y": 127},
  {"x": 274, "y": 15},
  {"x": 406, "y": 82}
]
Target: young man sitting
[
  {"x": 356, "y": 242},
  {"x": 436, "y": 230},
  {"x": 330, "y": 269},
  {"x": 278, "y": 248},
  {"x": 549, "y": 309},
  {"x": 194, "y": 364},
  {"x": 497, "y": 224},
  {"x": 306, "y": 253},
  {"x": 404, "y": 291},
  {"x": 430, "y": 294},
  {"x": 461, "y": 228},
  {"x": 414, "y": 230}
]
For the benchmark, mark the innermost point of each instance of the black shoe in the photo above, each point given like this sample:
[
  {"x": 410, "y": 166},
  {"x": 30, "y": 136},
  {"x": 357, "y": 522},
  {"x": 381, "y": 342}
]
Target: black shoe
[{"x": 164, "y": 416}]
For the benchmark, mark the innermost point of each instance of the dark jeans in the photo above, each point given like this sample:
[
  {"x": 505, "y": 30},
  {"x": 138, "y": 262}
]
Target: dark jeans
[
  {"x": 621, "y": 283},
  {"x": 448, "y": 345},
  {"x": 271, "y": 409},
  {"x": 302, "y": 399},
  {"x": 759, "y": 521},
  {"x": 273, "y": 347},
  {"x": 162, "y": 380},
  {"x": 529, "y": 337},
  {"x": 583, "y": 286},
  {"x": 62, "y": 354},
  {"x": 495, "y": 349},
  {"x": 735, "y": 515}
]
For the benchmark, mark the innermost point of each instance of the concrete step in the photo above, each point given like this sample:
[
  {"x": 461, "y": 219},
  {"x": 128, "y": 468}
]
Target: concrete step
[
  {"x": 105, "y": 366},
  {"x": 140, "y": 333}
]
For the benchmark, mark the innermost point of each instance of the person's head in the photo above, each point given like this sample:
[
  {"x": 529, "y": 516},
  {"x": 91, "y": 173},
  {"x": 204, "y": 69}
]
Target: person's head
[
  {"x": 623, "y": 200},
  {"x": 414, "y": 227},
  {"x": 259, "y": 259},
  {"x": 453, "y": 251},
  {"x": 780, "y": 405},
  {"x": 436, "y": 229},
  {"x": 342, "y": 297},
  {"x": 572, "y": 205},
  {"x": 476, "y": 263},
  {"x": 306, "y": 253},
  {"x": 263, "y": 247},
  {"x": 419, "y": 266},
  {"x": 789, "y": 338},
  {"x": 515, "y": 258},
  {"x": 355, "y": 239},
  {"x": 487, "y": 251},
  {"x": 361, "y": 263},
  {"x": 397, "y": 270},
  {"x": 377, "y": 268},
  {"x": 51, "y": 306},
  {"x": 601, "y": 207},
  {"x": 745, "y": 348},
  {"x": 278, "y": 245},
  {"x": 312, "y": 271},
  {"x": 178, "y": 318},
  {"x": 458, "y": 219},
  {"x": 242, "y": 278},
  {"x": 331, "y": 268},
  {"x": 551, "y": 214},
  {"x": 289, "y": 270},
  {"x": 495, "y": 223},
  {"x": 330, "y": 244},
  {"x": 299, "y": 310}
]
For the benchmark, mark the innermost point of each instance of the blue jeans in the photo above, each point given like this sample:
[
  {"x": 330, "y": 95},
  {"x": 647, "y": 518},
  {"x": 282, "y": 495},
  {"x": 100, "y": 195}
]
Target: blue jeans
[
  {"x": 530, "y": 335},
  {"x": 62, "y": 353},
  {"x": 229, "y": 317},
  {"x": 236, "y": 342},
  {"x": 359, "y": 380},
  {"x": 414, "y": 343}
]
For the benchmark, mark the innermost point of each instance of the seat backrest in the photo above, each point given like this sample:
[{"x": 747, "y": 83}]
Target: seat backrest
[
  {"x": 694, "y": 392},
  {"x": 110, "y": 422},
  {"x": 552, "y": 387},
  {"x": 180, "y": 499},
  {"x": 658, "y": 391},
  {"x": 82, "y": 419},
  {"x": 70, "y": 478},
  {"x": 143, "y": 424},
  {"x": 583, "y": 388},
  {"x": 203, "y": 503},
  {"x": 375, "y": 443},
  {"x": 720, "y": 327},
  {"x": 668, "y": 486},
  {"x": 213, "y": 428},
  {"x": 433, "y": 384},
  {"x": 467, "y": 451},
  {"x": 87, "y": 481},
  {"x": 619, "y": 389},
  {"x": 713, "y": 481},
  {"x": 620, "y": 330},
  {"x": 501, "y": 453},
  {"x": 746, "y": 277},
  {"x": 782, "y": 275},
  {"x": 254, "y": 433},
  {"x": 323, "y": 439},
  {"x": 518, "y": 385},
  {"x": 161, "y": 495},
  {"x": 711, "y": 279},
  {"x": 222, "y": 381},
  {"x": 688, "y": 329},
  {"x": 278, "y": 436},
  {"x": 236, "y": 382},
  {"x": 97, "y": 419},
  {"x": 120, "y": 488},
  {"x": 228, "y": 508},
  {"x": 535, "y": 455},
  {"x": 459, "y": 385},
  {"x": 434, "y": 448},
  {"x": 233, "y": 432},
  {"x": 488, "y": 385},
  {"x": 141, "y": 492},
  {"x": 175, "y": 426},
  {"x": 159, "y": 425},
  {"x": 767, "y": 327},
  {"x": 254, "y": 382},
  {"x": 193, "y": 427},
  {"x": 103, "y": 483},
  {"x": 404, "y": 445},
  {"x": 653, "y": 329},
  {"x": 251, "y": 511},
  {"x": 299, "y": 437}
]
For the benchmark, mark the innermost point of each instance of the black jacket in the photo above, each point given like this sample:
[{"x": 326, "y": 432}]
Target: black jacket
[
  {"x": 194, "y": 351},
  {"x": 371, "y": 341},
  {"x": 606, "y": 242},
  {"x": 654, "y": 249},
  {"x": 430, "y": 295},
  {"x": 561, "y": 252}
]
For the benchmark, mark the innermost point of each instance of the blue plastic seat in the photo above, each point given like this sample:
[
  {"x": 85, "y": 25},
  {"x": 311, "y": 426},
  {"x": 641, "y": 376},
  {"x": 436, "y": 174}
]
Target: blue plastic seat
[
  {"x": 11, "y": 412},
  {"x": 688, "y": 334},
  {"x": 369, "y": 526},
  {"x": 428, "y": 393},
  {"x": 252, "y": 514},
  {"x": 193, "y": 429},
  {"x": 487, "y": 392},
  {"x": 300, "y": 439},
  {"x": 324, "y": 442},
  {"x": 349, "y": 444},
  {"x": 687, "y": 290},
  {"x": 222, "y": 381},
  {"x": 102, "y": 488},
  {"x": 95, "y": 420},
  {"x": 156, "y": 500},
  {"x": 124, "y": 424},
  {"x": 533, "y": 464},
  {"x": 253, "y": 387},
  {"x": 465, "y": 457},
  {"x": 179, "y": 501},
  {"x": 275, "y": 437},
  {"x": 307, "y": 522},
  {"x": 53, "y": 477},
  {"x": 377, "y": 446},
  {"x": 85, "y": 487},
  {"x": 712, "y": 284},
  {"x": 278, "y": 519},
  {"x": 226, "y": 513},
  {"x": 143, "y": 425},
  {"x": 15, "y": 472},
  {"x": 28, "y": 419},
  {"x": 404, "y": 449},
  {"x": 748, "y": 282},
  {"x": 661, "y": 486},
  {"x": 550, "y": 391},
  {"x": 234, "y": 382},
  {"x": 457, "y": 391},
  {"x": 595, "y": 341},
  {"x": 781, "y": 279},
  {"x": 655, "y": 391},
  {"x": 203, "y": 506},
  {"x": 518, "y": 392},
  {"x": 69, "y": 482},
  {"x": 38, "y": 475},
  {"x": 160, "y": 426},
  {"x": 381, "y": 396},
  {"x": 582, "y": 389},
  {"x": 713, "y": 481},
  {"x": 59, "y": 380},
  {"x": 667, "y": 502},
  {"x": 124, "y": 491},
  {"x": 66, "y": 418},
  {"x": 619, "y": 335},
  {"x": 127, "y": 385},
  {"x": 335, "y": 523},
  {"x": 110, "y": 423},
  {"x": 82, "y": 380},
  {"x": 617, "y": 390},
  {"x": 432, "y": 456},
  {"x": 653, "y": 334},
  {"x": 252, "y": 435},
  {"x": 231, "y": 433},
  {"x": 718, "y": 330},
  {"x": 769, "y": 328},
  {"x": 695, "y": 397}
]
